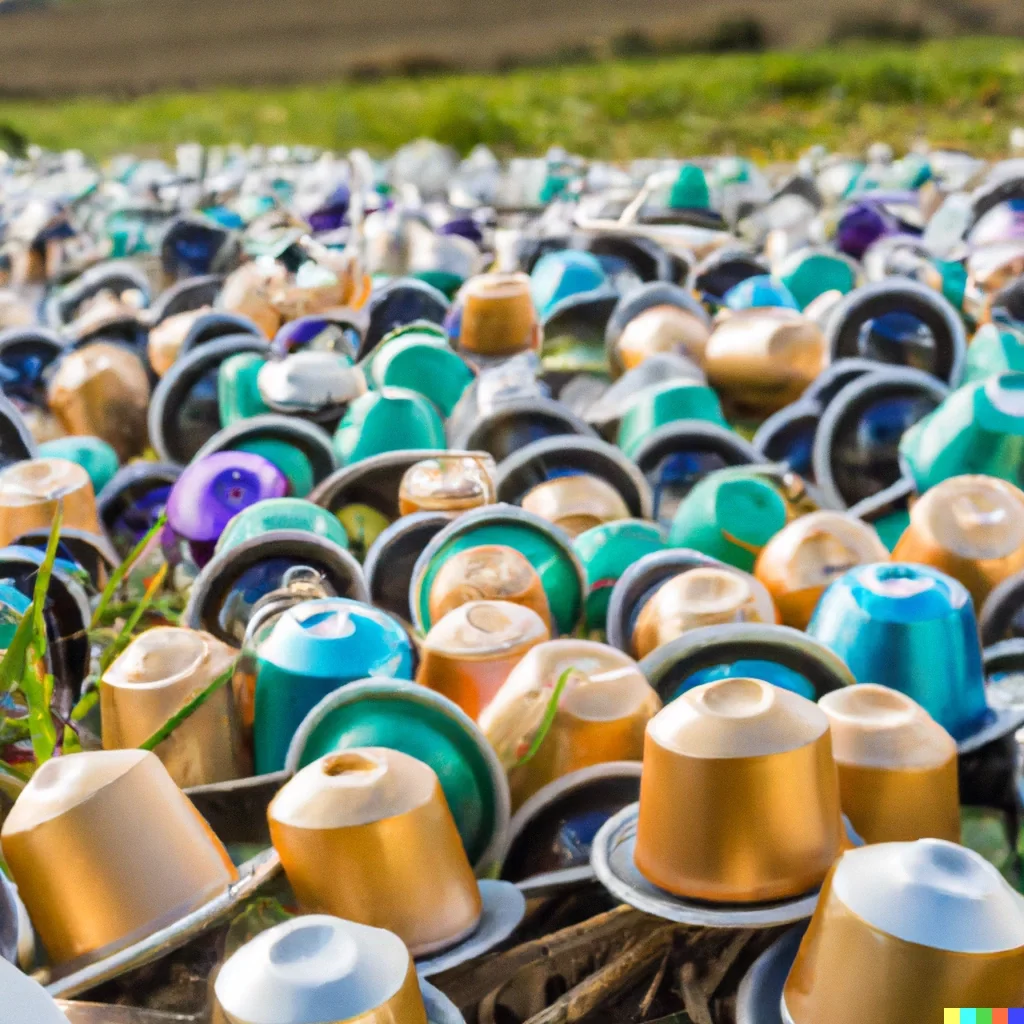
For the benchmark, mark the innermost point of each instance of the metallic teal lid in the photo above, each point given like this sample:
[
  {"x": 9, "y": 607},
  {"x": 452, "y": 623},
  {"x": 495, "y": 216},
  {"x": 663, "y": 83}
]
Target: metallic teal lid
[
  {"x": 386, "y": 420},
  {"x": 94, "y": 455},
  {"x": 281, "y": 514}
]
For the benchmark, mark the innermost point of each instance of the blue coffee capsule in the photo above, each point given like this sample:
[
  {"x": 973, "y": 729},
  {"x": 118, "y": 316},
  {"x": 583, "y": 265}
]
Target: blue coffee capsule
[
  {"x": 193, "y": 244},
  {"x": 312, "y": 650},
  {"x": 559, "y": 275},
  {"x": 133, "y": 501},
  {"x": 759, "y": 292},
  {"x": 912, "y": 628},
  {"x": 25, "y": 353}
]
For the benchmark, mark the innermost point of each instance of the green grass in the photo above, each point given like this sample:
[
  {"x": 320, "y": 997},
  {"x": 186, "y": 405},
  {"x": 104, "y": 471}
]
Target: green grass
[{"x": 965, "y": 92}]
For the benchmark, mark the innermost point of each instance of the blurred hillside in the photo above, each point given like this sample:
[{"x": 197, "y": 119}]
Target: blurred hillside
[{"x": 130, "y": 47}]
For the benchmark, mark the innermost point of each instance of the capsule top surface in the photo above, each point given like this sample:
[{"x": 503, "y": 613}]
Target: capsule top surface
[
  {"x": 975, "y": 517},
  {"x": 37, "y": 480},
  {"x": 158, "y": 657},
  {"x": 485, "y": 628}
]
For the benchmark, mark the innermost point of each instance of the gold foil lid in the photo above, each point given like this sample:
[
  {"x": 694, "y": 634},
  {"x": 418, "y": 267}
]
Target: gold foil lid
[
  {"x": 488, "y": 572},
  {"x": 158, "y": 657},
  {"x": 498, "y": 316},
  {"x": 974, "y": 517},
  {"x": 739, "y": 717},
  {"x": 576, "y": 503},
  {"x": 605, "y": 685},
  {"x": 662, "y": 329},
  {"x": 484, "y": 629},
  {"x": 704, "y": 596},
  {"x": 448, "y": 483},
  {"x": 355, "y": 787},
  {"x": 876, "y": 727},
  {"x": 166, "y": 339}
]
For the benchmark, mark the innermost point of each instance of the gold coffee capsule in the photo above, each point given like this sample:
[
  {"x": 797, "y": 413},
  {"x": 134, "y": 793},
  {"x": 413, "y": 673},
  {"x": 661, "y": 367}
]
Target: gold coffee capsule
[
  {"x": 448, "y": 483},
  {"x": 763, "y": 359},
  {"x": 30, "y": 493},
  {"x": 490, "y": 572},
  {"x": 102, "y": 390},
  {"x": 469, "y": 653},
  {"x": 970, "y": 528},
  {"x": 576, "y": 503},
  {"x": 705, "y": 596},
  {"x": 897, "y": 765},
  {"x": 662, "y": 329},
  {"x": 155, "y": 677},
  {"x": 166, "y": 339},
  {"x": 739, "y": 800},
  {"x": 105, "y": 309},
  {"x": 904, "y": 930},
  {"x": 320, "y": 968},
  {"x": 807, "y": 554},
  {"x": 105, "y": 848},
  {"x": 367, "y": 835},
  {"x": 498, "y": 316},
  {"x": 249, "y": 291},
  {"x": 602, "y": 713}
]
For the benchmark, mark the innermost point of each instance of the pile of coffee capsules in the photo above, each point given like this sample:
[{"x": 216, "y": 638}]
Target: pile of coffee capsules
[{"x": 516, "y": 528}]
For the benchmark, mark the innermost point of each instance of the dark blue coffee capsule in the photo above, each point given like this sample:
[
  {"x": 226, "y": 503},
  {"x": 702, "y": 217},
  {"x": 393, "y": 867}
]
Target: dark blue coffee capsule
[
  {"x": 132, "y": 503},
  {"x": 397, "y": 303}
]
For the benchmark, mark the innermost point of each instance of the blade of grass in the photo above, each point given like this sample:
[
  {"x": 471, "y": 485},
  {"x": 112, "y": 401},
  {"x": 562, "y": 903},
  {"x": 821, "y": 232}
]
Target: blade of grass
[
  {"x": 12, "y": 781},
  {"x": 125, "y": 636},
  {"x": 549, "y": 717},
  {"x": 12, "y": 667},
  {"x": 188, "y": 709},
  {"x": 118, "y": 575}
]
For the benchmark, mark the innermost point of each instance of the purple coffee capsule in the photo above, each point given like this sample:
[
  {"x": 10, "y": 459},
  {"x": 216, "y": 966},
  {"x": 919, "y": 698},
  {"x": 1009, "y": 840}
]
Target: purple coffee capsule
[
  {"x": 862, "y": 225},
  {"x": 214, "y": 489}
]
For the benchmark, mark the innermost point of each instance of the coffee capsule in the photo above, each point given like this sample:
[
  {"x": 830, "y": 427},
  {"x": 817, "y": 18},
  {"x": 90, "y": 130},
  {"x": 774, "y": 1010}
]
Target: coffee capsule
[
  {"x": 558, "y": 275},
  {"x": 379, "y": 421},
  {"x": 93, "y": 454},
  {"x": 31, "y": 493},
  {"x": 665, "y": 403},
  {"x": 652, "y": 319},
  {"x": 806, "y": 555},
  {"x": 763, "y": 359},
  {"x": 812, "y": 271},
  {"x": 398, "y": 303},
  {"x": 778, "y": 655},
  {"x": 238, "y": 388},
  {"x": 739, "y": 800},
  {"x": 319, "y": 968},
  {"x": 576, "y": 503},
  {"x": 191, "y": 295},
  {"x": 270, "y": 514},
  {"x": 329, "y": 824},
  {"x": 969, "y": 527},
  {"x": 226, "y": 591},
  {"x": 912, "y": 628},
  {"x": 902, "y": 322},
  {"x": 313, "y": 649},
  {"x": 301, "y": 450},
  {"x": 25, "y": 999},
  {"x": 26, "y": 353},
  {"x": 762, "y": 291},
  {"x": 1001, "y": 619},
  {"x": 994, "y": 349},
  {"x": 102, "y": 390},
  {"x": 337, "y": 331},
  {"x": 156, "y": 676},
  {"x": 574, "y": 332},
  {"x": 448, "y": 483},
  {"x": 408, "y": 717},
  {"x": 977, "y": 429},
  {"x": 897, "y": 766},
  {"x": 195, "y": 244},
  {"x": 133, "y": 501},
  {"x": 759, "y": 996},
  {"x": 82, "y": 802},
  {"x": 248, "y": 291},
  {"x": 213, "y": 490},
  {"x": 700, "y": 596},
  {"x": 167, "y": 337},
  {"x": 315, "y": 385},
  {"x": 857, "y": 445},
  {"x": 908, "y": 929},
  {"x": 184, "y": 412},
  {"x": 724, "y": 269},
  {"x": 493, "y": 317},
  {"x": 602, "y": 710},
  {"x": 392, "y": 557},
  {"x": 550, "y": 837},
  {"x": 547, "y": 548},
  {"x": 468, "y": 653},
  {"x": 86, "y": 553}
]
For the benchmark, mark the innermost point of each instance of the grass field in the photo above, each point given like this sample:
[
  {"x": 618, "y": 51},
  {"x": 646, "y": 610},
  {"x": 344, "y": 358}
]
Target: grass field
[{"x": 965, "y": 92}]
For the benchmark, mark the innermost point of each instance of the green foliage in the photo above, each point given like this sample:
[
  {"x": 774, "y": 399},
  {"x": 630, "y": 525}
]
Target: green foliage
[
  {"x": 124, "y": 637},
  {"x": 188, "y": 710},
  {"x": 99, "y": 617}
]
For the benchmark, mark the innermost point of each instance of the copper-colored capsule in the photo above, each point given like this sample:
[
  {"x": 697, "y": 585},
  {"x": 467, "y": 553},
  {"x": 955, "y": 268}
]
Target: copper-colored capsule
[
  {"x": 366, "y": 835},
  {"x": 32, "y": 491},
  {"x": 763, "y": 359},
  {"x": 662, "y": 329},
  {"x": 448, "y": 483},
  {"x": 576, "y": 503},
  {"x": 739, "y": 799},
  {"x": 969, "y": 527},
  {"x": 166, "y": 339},
  {"x": 897, "y": 765},
  {"x": 104, "y": 847},
  {"x": 602, "y": 713},
  {"x": 807, "y": 554},
  {"x": 249, "y": 291},
  {"x": 104, "y": 309},
  {"x": 490, "y": 572},
  {"x": 469, "y": 653},
  {"x": 102, "y": 390},
  {"x": 154, "y": 678},
  {"x": 498, "y": 316},
  {"x": 706, "y": 596}
]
